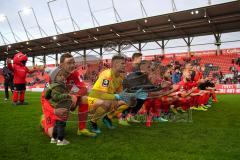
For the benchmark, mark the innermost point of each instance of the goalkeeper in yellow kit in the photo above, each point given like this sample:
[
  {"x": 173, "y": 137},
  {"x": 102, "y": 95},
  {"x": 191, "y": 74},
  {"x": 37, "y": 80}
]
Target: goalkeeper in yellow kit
[{"x": 106, "y": 99}]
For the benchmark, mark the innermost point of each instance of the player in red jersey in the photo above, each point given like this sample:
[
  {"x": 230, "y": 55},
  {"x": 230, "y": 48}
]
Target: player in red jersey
[
  {"x": 76, "y": 89},
  {"x": 210, "y": 87},
  {"x": 194, "y": 97},
  {"x": 160, "y": 101},
  {"x": 180, "y": 96}
]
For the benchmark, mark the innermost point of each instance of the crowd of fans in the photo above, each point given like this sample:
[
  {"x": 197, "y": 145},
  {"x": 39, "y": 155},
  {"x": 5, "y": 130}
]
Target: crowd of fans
[
  {"x": 38, "y": 77},
  {"x": 209, "y": 70}
]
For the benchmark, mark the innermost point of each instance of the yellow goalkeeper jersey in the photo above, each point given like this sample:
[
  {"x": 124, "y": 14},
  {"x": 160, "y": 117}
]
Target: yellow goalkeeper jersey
[{"x": 106, "y": 85}]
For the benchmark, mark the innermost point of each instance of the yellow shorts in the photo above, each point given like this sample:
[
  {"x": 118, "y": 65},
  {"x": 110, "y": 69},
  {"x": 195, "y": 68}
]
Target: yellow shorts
[{"x": 91, "y": 102}]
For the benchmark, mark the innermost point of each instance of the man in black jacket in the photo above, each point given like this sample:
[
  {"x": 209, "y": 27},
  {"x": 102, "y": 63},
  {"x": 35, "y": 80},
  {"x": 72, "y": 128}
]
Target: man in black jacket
[
  {"x": 143, "y": 68},
  {"x": 8, "y": 81}
]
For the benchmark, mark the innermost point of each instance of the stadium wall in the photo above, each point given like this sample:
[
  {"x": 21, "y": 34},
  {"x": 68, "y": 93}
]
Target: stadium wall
[{"x": 228, "y": 88}]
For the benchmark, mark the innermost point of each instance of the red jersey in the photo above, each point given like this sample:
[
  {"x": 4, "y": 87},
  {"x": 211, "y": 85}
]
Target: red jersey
[
  {"x": 76, "y": 84},
  {"x": 73, "y": 82},
  {"x": 198, "y": 76},
  {"x": 186, "y": 85},
  {"x": 20, "y": 73}
]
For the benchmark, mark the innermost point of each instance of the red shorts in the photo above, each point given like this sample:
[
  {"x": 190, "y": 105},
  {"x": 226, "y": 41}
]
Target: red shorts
[{"x": 153, "y": 105}]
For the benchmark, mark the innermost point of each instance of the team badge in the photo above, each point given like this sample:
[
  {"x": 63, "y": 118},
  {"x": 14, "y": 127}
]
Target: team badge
[
  {"x": 105, "y": 83},
  {"x": 47, "y": 85}
]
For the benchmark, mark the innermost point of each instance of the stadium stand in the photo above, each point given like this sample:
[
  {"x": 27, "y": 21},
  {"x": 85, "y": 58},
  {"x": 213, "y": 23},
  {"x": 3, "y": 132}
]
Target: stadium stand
[{"x": 215, "y": 65}]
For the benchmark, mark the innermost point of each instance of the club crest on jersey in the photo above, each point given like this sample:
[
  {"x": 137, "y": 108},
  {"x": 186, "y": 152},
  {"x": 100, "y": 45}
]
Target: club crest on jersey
[
  {"x": 47, "y": 85},
  {"x": 105, "y": 83}
]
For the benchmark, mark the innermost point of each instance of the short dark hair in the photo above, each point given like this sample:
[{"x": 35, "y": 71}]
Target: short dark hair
[
  {"x": 143, "y": 62},
  {"x": 177, "y": 67},
  {"x": 117, "y": 57},
  {"x": 135, "y": 55},
  {"x": 64, "y": 56}
]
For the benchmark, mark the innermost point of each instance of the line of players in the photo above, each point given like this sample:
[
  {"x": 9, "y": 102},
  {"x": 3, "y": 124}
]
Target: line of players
[
  {"x": 106, "y": 100},
  {"x": 191, "y": 92}
]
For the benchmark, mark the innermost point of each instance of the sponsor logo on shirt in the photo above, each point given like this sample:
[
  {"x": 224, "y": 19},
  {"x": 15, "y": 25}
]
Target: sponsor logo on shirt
[{"x": 105, "y": 83}]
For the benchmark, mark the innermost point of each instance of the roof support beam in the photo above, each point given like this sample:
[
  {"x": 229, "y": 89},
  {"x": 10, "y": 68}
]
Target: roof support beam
[
  {"x": 101, "y": 53},
  {"x": 56, "y": 58},
  {"x": 188, "y": 41},
  {"x": 218, "y": 42},
  {"x": 94, "y": 19},
  {"x": 70, "y": 14},
  {"x": 143, "y": 10},
  {"x": 57, "y": 28},
  {"x": 78, "y": 53},
  {"x": 119, "y": 48},
  {"x": 163, "y": 45},
  {"x": 140, "y": 47},
  {"x": 44, "y": 59},
  {"x": 174, "y": 8},
  {"x": 84, "y": 56},
  {"x": 51, "y": 57},
  {"x": 4, "y": 42},
  {"x": 116, "y": 14},
  {"x": 24, "y": 27},
  {"x": 33, "y": 61}
]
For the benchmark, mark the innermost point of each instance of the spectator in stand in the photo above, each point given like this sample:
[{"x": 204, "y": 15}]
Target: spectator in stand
[
  {"x": 221, "y": 76},
  {"x": 238, "y": 61},
  {"x": 8, "y": 81},
  {"x": 176, "y": 77},
  {"x": 136, "y": 60}
]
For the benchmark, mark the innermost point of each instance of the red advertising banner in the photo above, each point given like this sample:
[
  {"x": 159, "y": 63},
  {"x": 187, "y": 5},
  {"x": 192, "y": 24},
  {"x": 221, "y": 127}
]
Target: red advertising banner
[
  {"x": 228, "y": 88},
  {"x": 197, "y": 53},
  {"x": 230, "y": 50}
]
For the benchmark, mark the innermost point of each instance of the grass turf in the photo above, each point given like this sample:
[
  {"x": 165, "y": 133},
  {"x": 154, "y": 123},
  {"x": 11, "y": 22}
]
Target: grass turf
[{"x": 212, "y": 135}]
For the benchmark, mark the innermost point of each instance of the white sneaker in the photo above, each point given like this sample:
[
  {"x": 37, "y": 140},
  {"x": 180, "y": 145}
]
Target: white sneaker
[
  {"x": 132, "y": 119},
  {"x": 208, "y": 105},
  {"x": 53, "y": 140},
  {"x": 62, "y": 143},
  {"x": 161, "y": 119}
]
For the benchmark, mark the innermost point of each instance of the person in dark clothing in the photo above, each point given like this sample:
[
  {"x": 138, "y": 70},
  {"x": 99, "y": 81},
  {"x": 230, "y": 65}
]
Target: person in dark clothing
[
  {"x": 8, "y": 81},
  {"x": 128, "y": 115},
  {"x": 136, "y": 60},
  {"x": 176, "y": 77}
]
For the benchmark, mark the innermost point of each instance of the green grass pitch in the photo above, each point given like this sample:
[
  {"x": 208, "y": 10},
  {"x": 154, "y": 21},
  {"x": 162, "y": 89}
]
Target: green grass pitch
[{"x": 213, "y": 135}]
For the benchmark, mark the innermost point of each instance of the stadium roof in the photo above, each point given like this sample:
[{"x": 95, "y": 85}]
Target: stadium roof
[{"x": 221, "y": 18}]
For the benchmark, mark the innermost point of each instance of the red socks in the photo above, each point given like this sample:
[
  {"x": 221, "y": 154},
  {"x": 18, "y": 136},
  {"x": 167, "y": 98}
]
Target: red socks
[
  {"x": 22, "y": 95},
  {"x": 15, "y": 96},
  {"x": 214, "y": 97},
  {"x": 82, "y": 116}
]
